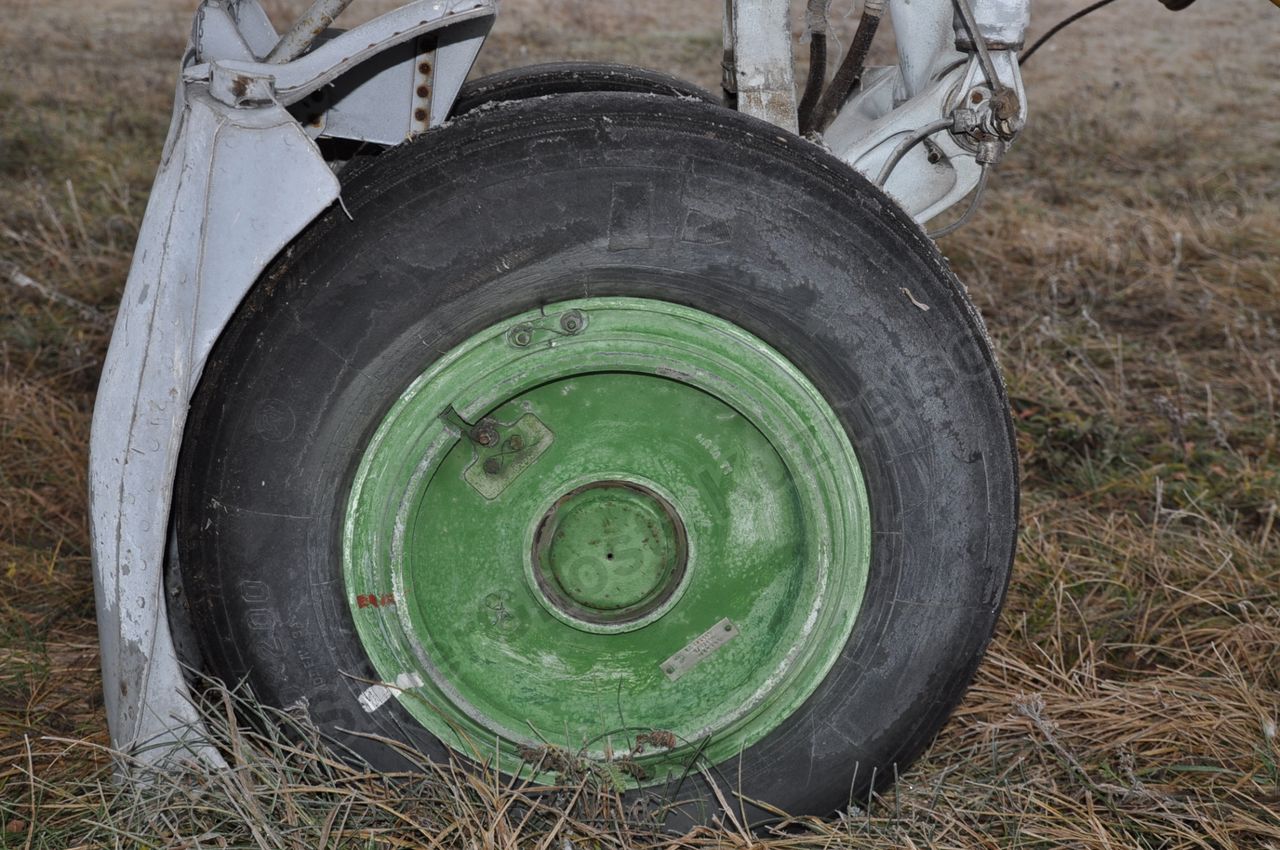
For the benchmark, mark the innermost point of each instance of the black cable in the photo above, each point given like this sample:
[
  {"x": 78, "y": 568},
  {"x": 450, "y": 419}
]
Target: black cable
[
  {"x": 1053, "y": 30},
  {"x": 849, "y": 74},
  {"x": 817, "y": 21},
  {"x": 817, "y": 76}
]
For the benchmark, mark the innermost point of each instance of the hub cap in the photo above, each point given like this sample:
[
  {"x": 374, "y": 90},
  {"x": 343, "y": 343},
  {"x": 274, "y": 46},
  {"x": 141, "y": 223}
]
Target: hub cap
[
  {"x": 601, "y": 520},
  {"x": 609, "y": 554}
]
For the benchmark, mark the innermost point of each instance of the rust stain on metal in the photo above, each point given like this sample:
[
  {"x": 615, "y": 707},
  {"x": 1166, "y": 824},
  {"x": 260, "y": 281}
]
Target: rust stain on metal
[
  {"x": 423, "y": 83},
  {"x": 660, "y": 738},
  {"x": 1005, "y": 104}
]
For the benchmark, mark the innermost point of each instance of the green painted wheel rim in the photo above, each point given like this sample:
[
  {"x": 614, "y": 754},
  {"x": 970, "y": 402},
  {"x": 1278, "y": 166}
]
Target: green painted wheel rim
[{"x": 601, "y": 520}]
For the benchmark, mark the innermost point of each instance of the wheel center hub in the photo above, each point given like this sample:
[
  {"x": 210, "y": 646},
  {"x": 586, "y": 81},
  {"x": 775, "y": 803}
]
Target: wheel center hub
[{"x": 609, "y": 553}]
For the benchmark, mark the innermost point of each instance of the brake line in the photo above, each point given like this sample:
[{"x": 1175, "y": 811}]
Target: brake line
[
  {"x": 849, "y": 74},
  {"x": 907, "y": 144},
  {"x": 969, "y": 210},
  {"x": 816, "y": 23}
]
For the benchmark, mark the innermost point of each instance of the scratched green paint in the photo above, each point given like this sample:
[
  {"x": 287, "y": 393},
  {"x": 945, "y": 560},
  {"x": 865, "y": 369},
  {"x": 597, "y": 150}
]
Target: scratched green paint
[{"x": 686, "y": 407}]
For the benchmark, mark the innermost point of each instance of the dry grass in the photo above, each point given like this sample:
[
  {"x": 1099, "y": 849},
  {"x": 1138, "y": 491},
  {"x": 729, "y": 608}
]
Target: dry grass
[{"x": 1125, "y": 260}]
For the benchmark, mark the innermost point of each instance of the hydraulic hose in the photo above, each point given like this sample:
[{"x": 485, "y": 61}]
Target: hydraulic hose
[
  {"x": 850, "y": 71},
  {"x": 816, "y": 22}
]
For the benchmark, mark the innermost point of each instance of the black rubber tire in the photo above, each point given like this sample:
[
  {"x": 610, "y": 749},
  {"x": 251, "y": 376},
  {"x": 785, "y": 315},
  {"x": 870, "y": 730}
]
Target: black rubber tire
[
  {"x": 514, "y": 207},
  {"x": 570, "y": 78}
]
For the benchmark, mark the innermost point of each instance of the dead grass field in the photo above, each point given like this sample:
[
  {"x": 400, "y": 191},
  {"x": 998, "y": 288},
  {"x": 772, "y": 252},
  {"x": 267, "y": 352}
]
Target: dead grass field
[{"x": 1126, "y": 262}]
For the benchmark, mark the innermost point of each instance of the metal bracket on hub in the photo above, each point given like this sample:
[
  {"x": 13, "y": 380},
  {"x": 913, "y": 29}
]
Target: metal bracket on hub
[
  {"x": 569, "y": 323},
  {"x": 504, "y": 451}
]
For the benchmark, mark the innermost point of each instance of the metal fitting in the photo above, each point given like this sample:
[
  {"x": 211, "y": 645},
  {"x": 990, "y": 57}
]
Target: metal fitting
[
  {"x": 990, "y": 151},
  {"x": 239, "y": 89},
  {"x": 985, "y": 114},
  {"x": 1007, "y": 113},
  {"x": 966, "y": 121}
]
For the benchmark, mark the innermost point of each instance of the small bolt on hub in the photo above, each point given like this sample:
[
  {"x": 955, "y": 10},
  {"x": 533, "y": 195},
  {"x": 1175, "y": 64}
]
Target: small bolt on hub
[
  {"x": 521, "y": 336},
  {"x": 572, "y": 322},
  {"x": 484, "y": 434}
]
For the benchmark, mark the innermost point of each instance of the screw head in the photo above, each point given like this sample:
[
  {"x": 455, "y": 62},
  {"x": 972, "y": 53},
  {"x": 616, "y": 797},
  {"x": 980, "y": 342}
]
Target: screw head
[
  {"x": 516, "y": 442},
  {"x": 521, "y": 336},
  {"x": 485, "y": 435}
]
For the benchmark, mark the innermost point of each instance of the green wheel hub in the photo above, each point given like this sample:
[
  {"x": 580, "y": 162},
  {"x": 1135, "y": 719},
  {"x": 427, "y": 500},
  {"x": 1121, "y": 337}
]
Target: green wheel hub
[{"x": 606, "y": 518}]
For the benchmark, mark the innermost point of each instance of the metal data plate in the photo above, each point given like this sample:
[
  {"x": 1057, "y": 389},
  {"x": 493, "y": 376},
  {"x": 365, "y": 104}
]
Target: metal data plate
[{"x": 699, "y": 649}]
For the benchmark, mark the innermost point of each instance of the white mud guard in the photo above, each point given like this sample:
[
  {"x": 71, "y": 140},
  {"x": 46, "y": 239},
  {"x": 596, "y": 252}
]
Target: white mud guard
[{"x": 239, "y": 179}]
